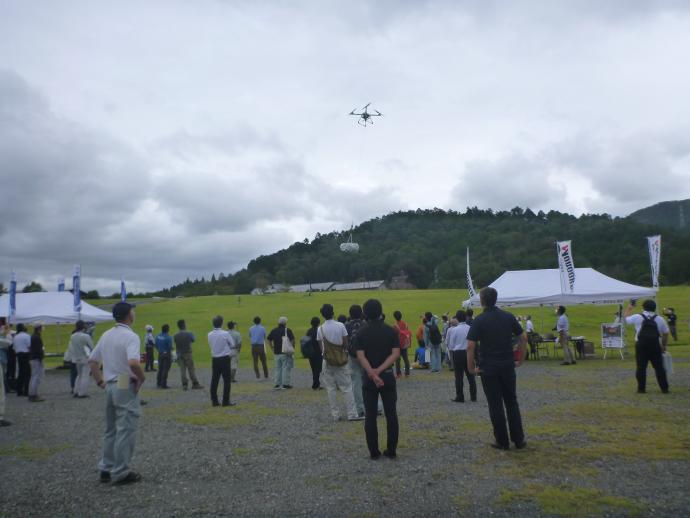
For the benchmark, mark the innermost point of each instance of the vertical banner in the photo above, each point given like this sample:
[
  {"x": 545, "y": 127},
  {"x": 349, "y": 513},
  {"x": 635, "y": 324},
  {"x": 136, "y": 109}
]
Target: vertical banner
[
  {"x": 13, "y": 296},
  {"x": 470, "y": 285},
  {"x": 654, "y": 244},
  {"x": 566, "y": 266},
  {"x": 76, "y": 288},
  {"x": 61, "y": 284},
  {"x": 123, "y": 291}
]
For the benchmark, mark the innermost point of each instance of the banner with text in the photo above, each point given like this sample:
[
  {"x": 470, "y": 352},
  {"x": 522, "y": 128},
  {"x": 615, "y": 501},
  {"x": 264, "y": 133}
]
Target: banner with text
[
  {"x": 566, "y": 266},
  {"x": 654, "y": 244},
  {"x": 470, "y": 284}
]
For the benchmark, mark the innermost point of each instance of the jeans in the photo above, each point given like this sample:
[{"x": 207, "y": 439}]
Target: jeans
[
  {"x": 220, "y": 367},
  {"x": 122, "y": 412},
  {"x": 81, "y": 384},
  {"x": 258, "y": 353},
  {"x": 653, "y": 355},
  {"x": 73, "y": 374},
  {"x": 389, "y": 396},
  {"x": 315, "y": 364},
  {"x": 405, "y": 359},
  {"x": 335, "y": 378},
  {"x": 149, "y": 359},
  {"x": 283, "y": 370},
  {"x": 37, "y": 371},
  {"x": 24, "y": 374},
  {"x": 498, "y": 381},
  {"x": 186, "y": 363},
  {"x": 435, "y": 357},
  {"x": 356, "y": 373},
  {"x": 164, "y": 362},
  {"x": 460, "y": 368}
]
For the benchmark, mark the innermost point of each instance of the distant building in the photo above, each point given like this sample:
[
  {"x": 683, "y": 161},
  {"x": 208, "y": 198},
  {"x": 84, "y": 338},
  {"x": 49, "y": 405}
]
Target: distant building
[
  {"x": 365, "y": 285},
  {"x": 314, "y": 286},
  {"x": 275, "y": 288},
  {"x": 257, "y": 291},
  {"x": 400, "y": 282}
]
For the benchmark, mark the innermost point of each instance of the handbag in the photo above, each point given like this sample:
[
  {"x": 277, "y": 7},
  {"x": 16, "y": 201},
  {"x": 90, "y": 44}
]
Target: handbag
[
  {"x": 287, "y": 347},
  {"x": 427, "y": 355},
  {"x": 335, "y": 355},
  {"x": 668, "y": 362}
]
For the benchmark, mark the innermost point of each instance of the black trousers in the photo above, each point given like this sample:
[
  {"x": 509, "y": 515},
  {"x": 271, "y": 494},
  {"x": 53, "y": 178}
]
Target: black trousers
[
  {"x": 653, "y": 355},
  {"x": 220, "y": 367},
  {"x": 674, "y": 333},
  {"x": 316, "y": 363},
  {"x": 405, "y": 359},
  {"x": 498, "y": 381},
  {"x": 460, "y": 368},
  {"x": 73, "y": 373},
  {"x": 24, "y": 374},
  {"x": 11, "y": 374},
  {"x": 164, "y": 362},
  {"x": 149, "y": 359},
  {"x": 389, "y": 397}
]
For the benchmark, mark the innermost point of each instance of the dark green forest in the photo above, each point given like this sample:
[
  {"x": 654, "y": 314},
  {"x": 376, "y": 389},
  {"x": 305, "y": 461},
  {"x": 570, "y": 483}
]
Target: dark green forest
[{"x": 428, "y": 246}]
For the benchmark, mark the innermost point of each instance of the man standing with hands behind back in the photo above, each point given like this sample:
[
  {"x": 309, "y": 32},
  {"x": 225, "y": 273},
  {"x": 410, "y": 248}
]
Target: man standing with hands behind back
[
  {"x": 494, "y": 329},
  {"x": 122, "y": 377}
]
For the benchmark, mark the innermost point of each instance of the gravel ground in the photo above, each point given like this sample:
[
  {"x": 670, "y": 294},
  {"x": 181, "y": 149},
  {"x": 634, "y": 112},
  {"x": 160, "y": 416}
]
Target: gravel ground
[{"x": 277, "y": 453}]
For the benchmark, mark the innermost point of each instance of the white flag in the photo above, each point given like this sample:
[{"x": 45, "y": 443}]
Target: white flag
[
  {"x": 470, "y": 285},
  {"x": 654, "y": 244},
  {"x": 566, "y": 265}
]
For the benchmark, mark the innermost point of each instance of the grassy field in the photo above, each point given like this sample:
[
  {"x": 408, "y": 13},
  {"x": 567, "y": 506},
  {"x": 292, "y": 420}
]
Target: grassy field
[{"x": 300, "y": 308}]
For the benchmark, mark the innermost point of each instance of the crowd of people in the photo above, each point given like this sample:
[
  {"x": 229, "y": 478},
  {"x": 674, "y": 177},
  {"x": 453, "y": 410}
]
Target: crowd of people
[{"x": 358, "y": 355}]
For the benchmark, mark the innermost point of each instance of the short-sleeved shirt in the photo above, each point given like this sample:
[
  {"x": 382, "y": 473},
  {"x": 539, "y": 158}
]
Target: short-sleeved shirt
[
  {"x": 377, "y": 340},
  {"x": 276, "y": 338},
  {"x": 636, "y": 320},
  {"x": 494, "y": 330},
  {"x": 114, "y": 350},
  {"x": 456, "y": 337},
  {"x": 257, "y": 334},
  {"x": 164, "y": 343},
  {"x": 333, "y": 331},
  {"x": 563, "y": 324},
  {"x": 21, "y": 342},
  {"x": 529, "y": 326},
  {"x": 184, "y": 341}
]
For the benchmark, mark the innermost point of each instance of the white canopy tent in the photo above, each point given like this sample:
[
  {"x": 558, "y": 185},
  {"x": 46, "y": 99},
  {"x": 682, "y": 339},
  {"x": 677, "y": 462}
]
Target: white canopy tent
[
  {"x": 528, "y": 288},
  {"x": 55, "y": 307}
]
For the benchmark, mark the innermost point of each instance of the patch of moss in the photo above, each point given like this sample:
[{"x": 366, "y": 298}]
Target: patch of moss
[
  {"x": 26, "y": 451},
  {"x": 571, "y": 501},
  {"x": 244, "y": 414}
]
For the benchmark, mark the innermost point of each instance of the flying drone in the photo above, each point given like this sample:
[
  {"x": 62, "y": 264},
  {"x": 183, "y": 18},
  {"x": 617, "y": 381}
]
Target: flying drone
[
  {"x": 349, "y": 246},
  {"x": 365, "y": 116}
]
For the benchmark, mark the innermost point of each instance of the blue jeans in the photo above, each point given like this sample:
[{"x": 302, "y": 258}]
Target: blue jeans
[
  {"x": 283, "y": 372},
  {"x": 122, "y": 412},
  {"x": 435, "y": 357}
]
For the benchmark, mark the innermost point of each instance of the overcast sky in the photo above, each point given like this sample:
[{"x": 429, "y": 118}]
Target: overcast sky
[{"x": 161, "y": 140}]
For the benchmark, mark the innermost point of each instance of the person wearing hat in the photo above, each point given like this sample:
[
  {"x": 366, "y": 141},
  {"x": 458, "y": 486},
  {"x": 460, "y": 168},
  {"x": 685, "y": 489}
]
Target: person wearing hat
[
  {"x": 122, "y": 377},
  {"x": 235, "y": 360},
  {"x": 149, "y": 343},
  {"x": 284, "y": 362}
]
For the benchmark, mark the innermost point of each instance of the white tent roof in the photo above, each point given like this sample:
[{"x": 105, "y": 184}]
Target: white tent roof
[
  {"x": 56, "y": 307},
  {"x": 543, "y": 287}
]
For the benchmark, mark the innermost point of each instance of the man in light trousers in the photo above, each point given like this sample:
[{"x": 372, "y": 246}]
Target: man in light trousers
[
  {"x": 335, "y": 378},
  {"x": 122, "y": 377}
]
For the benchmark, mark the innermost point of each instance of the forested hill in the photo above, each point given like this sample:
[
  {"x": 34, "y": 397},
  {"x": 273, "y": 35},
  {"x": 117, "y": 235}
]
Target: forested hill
[
  {"x": 428, "y": 246},
  {"x": 668, "y": 214}
]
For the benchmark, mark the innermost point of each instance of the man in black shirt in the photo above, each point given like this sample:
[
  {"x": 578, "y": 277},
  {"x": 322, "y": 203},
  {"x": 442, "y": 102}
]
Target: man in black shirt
[
  {"x": 377, "y": 349},
  {"x": 493, "y": 329}
]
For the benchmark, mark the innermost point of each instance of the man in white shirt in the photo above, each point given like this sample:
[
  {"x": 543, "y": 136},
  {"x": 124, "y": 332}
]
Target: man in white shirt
[
  {"x": 562, "y": 327},
  {"x": 21, "y": 344},
  {"x": 456, "y": 339},
  {"x": 222, "y": 350},
  {"x": 335, "y": 377},
  {"x": 651, "y": 338},
  {"x": 122, "y": 377}
]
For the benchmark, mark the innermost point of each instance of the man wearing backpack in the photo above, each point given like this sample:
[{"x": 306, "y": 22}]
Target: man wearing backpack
[
  {"x": 651, "y": 337},
  {"x": 433, "y": 339},
  {"x": 356, "y": 372},
  {"x": 332, "y": 336}
]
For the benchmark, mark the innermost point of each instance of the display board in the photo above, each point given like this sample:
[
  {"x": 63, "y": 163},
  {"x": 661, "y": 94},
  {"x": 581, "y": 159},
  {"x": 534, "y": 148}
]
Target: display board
[{"x": 612, "y": 337}]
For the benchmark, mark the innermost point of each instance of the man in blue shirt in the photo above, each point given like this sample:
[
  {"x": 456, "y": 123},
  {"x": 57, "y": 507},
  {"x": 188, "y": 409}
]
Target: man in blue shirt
[
  {"x": 257, "y": 337},
  {"x": 164, "y": 346}
]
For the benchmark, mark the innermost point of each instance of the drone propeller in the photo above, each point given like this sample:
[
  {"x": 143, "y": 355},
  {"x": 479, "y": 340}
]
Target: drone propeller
[
  {"x": 378, "y": 113},
  {"x": 367, "y": 106}
]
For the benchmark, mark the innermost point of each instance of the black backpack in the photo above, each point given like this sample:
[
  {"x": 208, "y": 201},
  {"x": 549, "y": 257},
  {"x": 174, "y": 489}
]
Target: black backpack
[
  {"x": 353, "y": 327},
  {"x": 648, "y": 336},
  {"x": 434, "y": 334}
]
